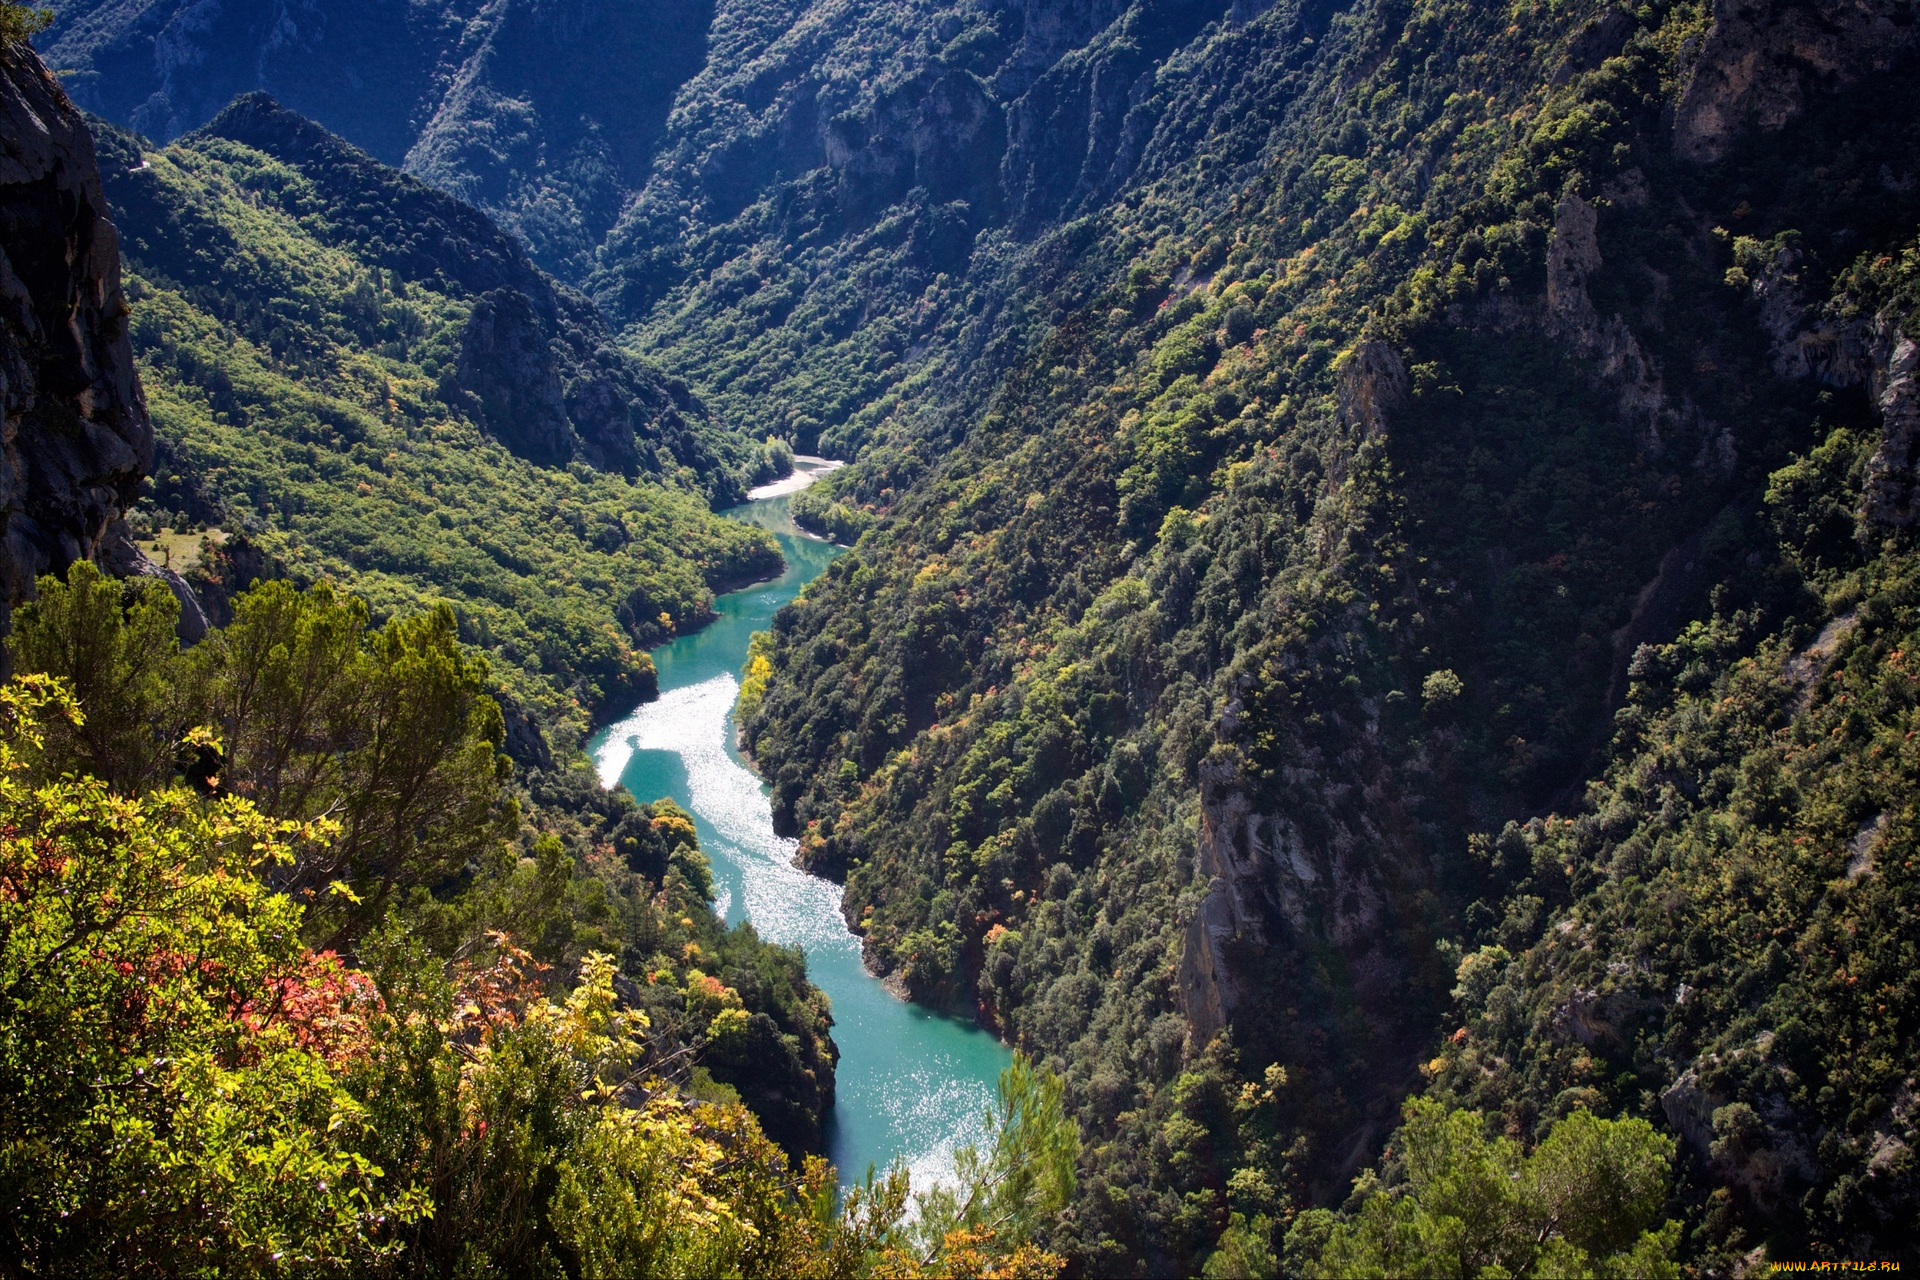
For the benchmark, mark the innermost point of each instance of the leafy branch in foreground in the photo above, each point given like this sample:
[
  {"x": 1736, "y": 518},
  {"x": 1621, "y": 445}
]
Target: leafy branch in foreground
[
  {"x": 165, "y": 1101},
  {"x": 20, "y": 22},
  {"x": 1588, "y": 1201},
  {"x": 1022, "y": 1179},
  {"x": 388, "y": 733}
]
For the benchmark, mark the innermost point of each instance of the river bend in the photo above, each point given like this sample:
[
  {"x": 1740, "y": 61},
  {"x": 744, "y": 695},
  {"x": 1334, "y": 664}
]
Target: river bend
[{"x": 910, "y": 1083}]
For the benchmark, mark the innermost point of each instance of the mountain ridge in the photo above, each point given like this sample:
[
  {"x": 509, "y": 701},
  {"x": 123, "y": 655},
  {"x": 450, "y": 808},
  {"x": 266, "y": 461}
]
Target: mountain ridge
[
  {"x": 359, "y": 377},
  {"x": 544, "y": 409}
]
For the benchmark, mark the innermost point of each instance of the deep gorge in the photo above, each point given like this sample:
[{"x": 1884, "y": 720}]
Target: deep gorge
[{"x": 1371, "y": 649}]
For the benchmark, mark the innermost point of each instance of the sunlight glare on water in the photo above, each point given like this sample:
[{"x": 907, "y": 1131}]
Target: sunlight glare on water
[
  {"x": 785, "y": 904},
  {"x": 910, "y": 1083}
]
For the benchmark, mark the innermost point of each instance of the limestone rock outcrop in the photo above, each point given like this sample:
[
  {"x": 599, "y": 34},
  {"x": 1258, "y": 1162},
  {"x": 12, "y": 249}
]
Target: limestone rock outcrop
[
  {"x": 1306, "y": 911},
  {"x": 1762, "y": 58},
  {"x": 1892, "y": 498},
  {"x": 76, "y": 440}
]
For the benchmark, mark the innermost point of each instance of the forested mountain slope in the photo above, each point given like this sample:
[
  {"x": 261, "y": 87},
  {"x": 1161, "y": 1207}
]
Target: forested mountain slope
[
  {"x": 1290, "y": 675},
  {"x": 814, "y": 212},
  {"x": 543, "y": 113},
  {"x": 298, "y": 973},
  {"x": 357, "y": 376}
]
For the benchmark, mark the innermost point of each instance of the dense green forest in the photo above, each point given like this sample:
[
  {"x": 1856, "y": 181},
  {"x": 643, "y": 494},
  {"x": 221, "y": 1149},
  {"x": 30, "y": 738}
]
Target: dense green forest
[
  {"x": 1222, "y": 711},
  {"x": 1378, "y": 650},
  {"x": 287, "y": 986},
  {"x": 354, "y": 376}
]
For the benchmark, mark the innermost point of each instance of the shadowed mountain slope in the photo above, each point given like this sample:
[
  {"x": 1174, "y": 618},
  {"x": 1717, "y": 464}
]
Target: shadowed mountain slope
[{"x": 1350, "y": 641}]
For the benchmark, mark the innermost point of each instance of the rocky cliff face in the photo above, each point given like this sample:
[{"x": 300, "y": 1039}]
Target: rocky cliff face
[
  {"x": 543, "y": 112},
  {"x": 1278, "y": 895},
  {"x": 1761, "y": 60},
  {"x": 1891, "y": 500},
  {"x": 76, "y": 441}
]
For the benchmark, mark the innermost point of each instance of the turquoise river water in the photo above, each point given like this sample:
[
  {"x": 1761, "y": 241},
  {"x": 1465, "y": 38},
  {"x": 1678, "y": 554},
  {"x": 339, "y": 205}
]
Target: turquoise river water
[{"x": 911, "y": 1084}]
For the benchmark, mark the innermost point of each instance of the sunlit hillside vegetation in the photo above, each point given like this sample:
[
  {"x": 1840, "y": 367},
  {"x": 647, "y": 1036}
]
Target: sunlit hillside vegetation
[
  {"x": 283, "y": 992},
  {"x": 306, "y": 328}
]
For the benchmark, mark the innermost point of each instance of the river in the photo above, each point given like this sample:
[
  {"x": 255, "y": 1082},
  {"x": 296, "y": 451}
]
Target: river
[{"x": 911, "y": 1083}]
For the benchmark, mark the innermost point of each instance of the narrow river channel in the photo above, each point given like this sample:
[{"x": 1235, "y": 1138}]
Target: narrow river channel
[{"x": 910, "y": 1084}]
